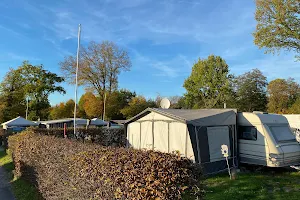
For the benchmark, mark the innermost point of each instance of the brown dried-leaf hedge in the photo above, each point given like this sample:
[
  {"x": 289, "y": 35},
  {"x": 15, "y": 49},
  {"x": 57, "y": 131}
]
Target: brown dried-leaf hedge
[
  {"x": 103, "y": 136},
  {"x": 68, "y": 169}
]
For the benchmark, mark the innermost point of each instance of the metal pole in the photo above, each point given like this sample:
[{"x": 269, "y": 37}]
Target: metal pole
[
  {"x": 27, "y": 107},
  {"x": 76, "y": 80},
  {"x": 228, "y": 167},
  {"x": 104, "y": 105}
]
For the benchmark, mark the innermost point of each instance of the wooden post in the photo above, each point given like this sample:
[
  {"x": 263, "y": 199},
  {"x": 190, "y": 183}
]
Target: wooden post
[{"x": 65, "y": 130}]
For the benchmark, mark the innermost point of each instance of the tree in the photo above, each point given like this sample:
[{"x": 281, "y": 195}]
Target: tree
[
  {"x": 63, "y": 110},
  {"x": 136, "y": 105},
  {"x": 91, "y": 105},
  {"x": 180, "y": 104},
  {"x": 278, "y": 25},
  {"x": 251, "y": 91},
  {"x": 57, "y": 111},
  {"x": 12, "y": 96},
  {"x": 38, "y": 85},
  {"x": 209, "y": 84},
  {"x": 177, "y": 102},
  {"x": 282, "y": 95},
  {"x": 69, "y": 108},
  {"x": 116, "y": 102},
  {"x": 99, "y": 67},
  {"x": 33, "y": 82},
  {"x": 295, "y": 108}
]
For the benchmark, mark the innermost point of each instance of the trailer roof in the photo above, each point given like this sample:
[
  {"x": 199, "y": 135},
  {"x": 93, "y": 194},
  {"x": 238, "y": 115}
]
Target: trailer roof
[{"x": 257, "y": 118}]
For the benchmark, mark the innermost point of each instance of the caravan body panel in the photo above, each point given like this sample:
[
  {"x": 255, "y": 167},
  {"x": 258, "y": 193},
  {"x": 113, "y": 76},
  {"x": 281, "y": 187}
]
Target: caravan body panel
[
  {"x": 294, "y": 121},
  {"x": 266, "y": 139}
]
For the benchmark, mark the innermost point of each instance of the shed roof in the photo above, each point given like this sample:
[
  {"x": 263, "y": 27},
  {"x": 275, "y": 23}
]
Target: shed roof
[
  {"x": 117, "y": 121},
  {"x": 197, "y": 117},
  {"x": 19, "y": 121},
  {"x": 79, "y": 121}
]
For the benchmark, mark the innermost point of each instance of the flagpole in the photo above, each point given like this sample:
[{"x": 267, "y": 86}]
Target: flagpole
[
  {"x": 27, "y": 101},
  {"x": 76, "y": 80}
]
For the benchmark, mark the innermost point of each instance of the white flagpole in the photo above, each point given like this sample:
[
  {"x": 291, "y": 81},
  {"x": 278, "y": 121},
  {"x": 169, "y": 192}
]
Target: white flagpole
[
  {"x": 27, "y": 101},
  {"x": 76, "y": 80}
]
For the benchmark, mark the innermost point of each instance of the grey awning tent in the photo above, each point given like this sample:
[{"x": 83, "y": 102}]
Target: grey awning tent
[
  {"x": 207, "y": 130},
  {"x": 18, "y": 122},
  {"x": 202, "y": 117}
]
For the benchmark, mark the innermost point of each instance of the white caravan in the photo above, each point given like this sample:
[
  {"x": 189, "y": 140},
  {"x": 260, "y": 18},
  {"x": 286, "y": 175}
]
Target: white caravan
[
  {"x": 294, "y": 121},
  {"x": 266, "y": 139}
]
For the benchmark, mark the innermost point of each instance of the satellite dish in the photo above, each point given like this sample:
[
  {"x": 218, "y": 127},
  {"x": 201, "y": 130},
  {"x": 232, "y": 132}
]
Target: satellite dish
[{"x": 165, "y": 103}]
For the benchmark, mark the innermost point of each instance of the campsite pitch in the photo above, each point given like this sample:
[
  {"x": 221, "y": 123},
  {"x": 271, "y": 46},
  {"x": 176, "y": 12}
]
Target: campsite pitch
[{"x": 285, "y": 185}]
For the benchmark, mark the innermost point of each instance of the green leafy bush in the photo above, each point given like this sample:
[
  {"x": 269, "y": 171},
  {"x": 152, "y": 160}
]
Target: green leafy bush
[{"x": 68, "y": 169}]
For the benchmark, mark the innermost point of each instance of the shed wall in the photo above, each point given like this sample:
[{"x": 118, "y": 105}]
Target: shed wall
[
  {"x": 161, "y": 138},
  {"x": 178, "y": 137},
  {"x": 146, "y": 135},
  {"x": 157, "y": 132},
  {"x": 134, "y": 135},
  {"x": 154, "y": 116}
]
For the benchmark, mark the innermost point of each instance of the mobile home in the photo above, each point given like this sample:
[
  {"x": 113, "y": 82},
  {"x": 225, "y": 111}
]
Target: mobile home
[
  {"x": 294, "y": 121},
  {"x": 266, "y": 139},
  {"x": 80, "y": 123},
  {"x": 196, "y": 134}
]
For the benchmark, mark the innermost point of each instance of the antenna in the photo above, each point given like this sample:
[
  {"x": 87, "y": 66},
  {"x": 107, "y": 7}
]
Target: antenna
[{"x": 165, "y": 103}]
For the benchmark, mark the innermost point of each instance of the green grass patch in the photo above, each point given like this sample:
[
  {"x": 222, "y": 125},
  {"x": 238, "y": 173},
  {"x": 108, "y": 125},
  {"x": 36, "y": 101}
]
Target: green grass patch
[
  {"x": 21, "y": 188},
  {"x": 285, "y": 185}
]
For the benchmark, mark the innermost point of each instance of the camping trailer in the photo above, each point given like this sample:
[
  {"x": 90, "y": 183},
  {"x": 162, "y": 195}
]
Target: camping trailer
[
  {"x": 294, "y": 121},
  {"x": 196, "y": 134},
  {"x": 266, "y": 139}
]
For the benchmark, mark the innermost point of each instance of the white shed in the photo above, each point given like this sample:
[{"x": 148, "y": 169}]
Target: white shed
[{"x": 195, "y": 134}]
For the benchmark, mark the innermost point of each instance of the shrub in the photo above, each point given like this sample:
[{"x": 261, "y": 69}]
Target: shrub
[
  {"x": 102, "y": 136},
  {"x": 4, "y": 134},
  {"x": 67, "y": 169}
]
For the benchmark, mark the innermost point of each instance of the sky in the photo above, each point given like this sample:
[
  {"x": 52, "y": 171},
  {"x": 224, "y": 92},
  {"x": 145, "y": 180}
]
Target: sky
[{"x": 164, "y": 38}]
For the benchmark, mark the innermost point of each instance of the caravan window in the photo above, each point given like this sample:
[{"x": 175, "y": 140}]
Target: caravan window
[
  {"x": 247, "y": 132},
  {"x": 282, "y": 133}
]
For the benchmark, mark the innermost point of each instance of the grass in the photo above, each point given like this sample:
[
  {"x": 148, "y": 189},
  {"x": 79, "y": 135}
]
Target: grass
[
  {"x": 284, "y": 185},
  {"x": 21, "y": 188}
]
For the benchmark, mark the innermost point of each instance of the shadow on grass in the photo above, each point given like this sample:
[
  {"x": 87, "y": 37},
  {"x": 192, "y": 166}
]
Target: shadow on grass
[
  {"x": 254, "y": 185},
  {"x": 22, "y": 189}
]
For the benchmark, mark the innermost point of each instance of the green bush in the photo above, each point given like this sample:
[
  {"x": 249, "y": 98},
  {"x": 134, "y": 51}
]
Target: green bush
[{"x": 67, "y": 169}]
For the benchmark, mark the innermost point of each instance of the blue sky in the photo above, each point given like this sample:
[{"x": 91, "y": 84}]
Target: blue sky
[{"x": 163, "y": 37}]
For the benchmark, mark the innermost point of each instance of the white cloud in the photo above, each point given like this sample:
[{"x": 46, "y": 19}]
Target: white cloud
[
  {"x": 17, "y": 34},
  {"x": 234, "y": 52},
  {"x": 272, "y": 66},
  {"x": 165, "y": 70},
  {"x": 9, "y": 56},
  {"x": 159, "y": 21}
]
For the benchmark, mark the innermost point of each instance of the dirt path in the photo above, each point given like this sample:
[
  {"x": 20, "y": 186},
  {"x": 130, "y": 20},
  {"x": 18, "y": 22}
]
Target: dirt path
[{"x": 5, "y": 190}]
